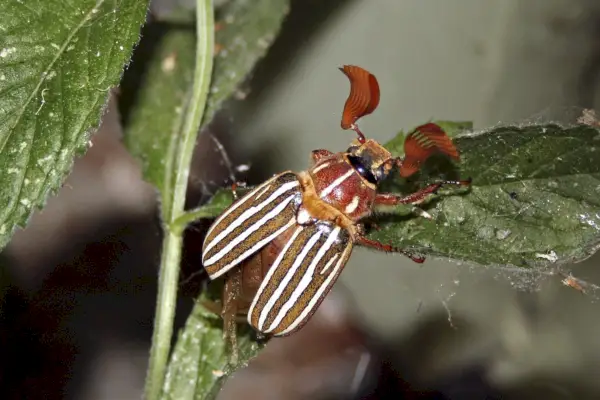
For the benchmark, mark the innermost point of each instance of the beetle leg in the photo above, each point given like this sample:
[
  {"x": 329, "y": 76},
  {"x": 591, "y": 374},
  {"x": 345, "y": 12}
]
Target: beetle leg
[
  {"x": 364, "y": 241},
  {"x": 231, "y": 295},
  {"x": 234, "y": 187},
  {"x": 214, "y": 307},
  {"x": 390, "y": 199}
]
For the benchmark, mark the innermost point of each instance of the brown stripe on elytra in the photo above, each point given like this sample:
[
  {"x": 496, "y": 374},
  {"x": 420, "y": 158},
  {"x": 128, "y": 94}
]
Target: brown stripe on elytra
[
  {"x": 279, "y": 272},
  {"x": 279, "y": 220},
  {"x": 283, "y": 218},
  {"x": 289, "y": 260},
  {"x": 309, "y": 293},
  {"x": 267, "y": 227},
  {"x": 235, "y": 214}
]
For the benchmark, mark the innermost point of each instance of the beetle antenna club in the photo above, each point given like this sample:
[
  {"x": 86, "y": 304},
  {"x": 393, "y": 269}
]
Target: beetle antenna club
[
  {"x": 362, "y": 100},
  {"x": 282, "y": 245}
]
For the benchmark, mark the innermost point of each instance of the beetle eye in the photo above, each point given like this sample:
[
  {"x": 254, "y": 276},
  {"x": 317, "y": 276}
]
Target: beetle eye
[{"x": 365, "y": 172}]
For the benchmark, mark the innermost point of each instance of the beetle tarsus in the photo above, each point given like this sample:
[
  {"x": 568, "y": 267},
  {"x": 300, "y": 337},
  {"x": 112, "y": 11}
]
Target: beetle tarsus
[
  {"x": 388, "y": 248},
  {"x": 234, "y": 188},
  {"x": 390, "y": 199}
]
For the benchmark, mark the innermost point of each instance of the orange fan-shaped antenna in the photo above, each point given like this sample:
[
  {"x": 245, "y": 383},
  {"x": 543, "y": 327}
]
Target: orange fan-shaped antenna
[
  {"x": 363, "y": 98},
  {"x": 422, "y": 143}
]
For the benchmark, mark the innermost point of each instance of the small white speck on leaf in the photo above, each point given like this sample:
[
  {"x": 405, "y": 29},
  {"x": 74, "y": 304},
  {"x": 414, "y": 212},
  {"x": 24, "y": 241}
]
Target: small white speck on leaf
[
  {"x": 485, "y": 232},
  {"x": 552, "y": 257},
  {"x": 502, "y": 234},
  {"x": 7, "y": 51},
  {"x": 263, "y": 43},
  {"x": 169, "y": 62},
  {"x": 218, "y": 373}
]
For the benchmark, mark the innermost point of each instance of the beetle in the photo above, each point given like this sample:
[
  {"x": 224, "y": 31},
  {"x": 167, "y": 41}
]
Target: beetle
[{"x": 282, "y": 245}]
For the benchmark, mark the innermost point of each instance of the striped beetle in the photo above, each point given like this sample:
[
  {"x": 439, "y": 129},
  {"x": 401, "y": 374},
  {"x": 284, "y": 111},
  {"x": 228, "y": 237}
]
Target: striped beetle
[{"x": 291, "y": 236}]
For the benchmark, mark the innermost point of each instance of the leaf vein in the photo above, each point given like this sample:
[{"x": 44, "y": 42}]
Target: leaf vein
[{"x": 61, "y": 51}]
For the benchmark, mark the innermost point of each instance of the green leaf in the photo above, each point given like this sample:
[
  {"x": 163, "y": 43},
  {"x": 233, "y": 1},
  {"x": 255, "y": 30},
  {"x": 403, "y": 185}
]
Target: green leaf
[
  {"x": 153, "y": 129},
  {"x": 58, "y": 61},
  {"x": 245, "y": 32},
  {"x": 198, "y": 365},
  {"x": 215, "y": 206},
  {"x": 535, "y": 198},
  {"x": 453, "y": 128}
]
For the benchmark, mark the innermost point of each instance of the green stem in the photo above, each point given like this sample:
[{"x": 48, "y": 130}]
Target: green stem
[{"x": 172, "y": 241}]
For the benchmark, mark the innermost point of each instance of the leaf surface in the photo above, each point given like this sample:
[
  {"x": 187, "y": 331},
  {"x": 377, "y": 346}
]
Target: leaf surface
[
  {"x": 535, "y": 198},
  {"x": 244, "y": 32},
  {"x": 198, "y": 366},
  {"x": 58, "y": 61}
]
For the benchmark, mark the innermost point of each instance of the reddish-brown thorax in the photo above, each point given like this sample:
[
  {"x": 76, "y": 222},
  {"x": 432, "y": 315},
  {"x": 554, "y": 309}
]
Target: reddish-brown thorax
[{"x": 339, "y": 183}]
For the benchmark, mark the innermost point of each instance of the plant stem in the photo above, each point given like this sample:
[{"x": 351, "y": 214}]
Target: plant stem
[{"x": 172, "y": 241}]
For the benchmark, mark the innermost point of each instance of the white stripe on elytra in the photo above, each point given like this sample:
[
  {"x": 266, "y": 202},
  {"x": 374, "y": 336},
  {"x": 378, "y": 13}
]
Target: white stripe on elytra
[
  {"x": 237, "y": 205},
  {"x": 262, "y": 192},
  {"x": 331, "y": 261},
  {"x": 307, "y": 278},
  {"x": 272, "y": 270},
  {"x": 286, "y": 280},
  {"x": 247, "y": 232},
  {"x": 248, "y": 214},
  {"x": 336, "y": 183},
  {"x": 320, "y": 167},
  {"x": 318, "y": 294},
  {"x": 253, "y": 249}
]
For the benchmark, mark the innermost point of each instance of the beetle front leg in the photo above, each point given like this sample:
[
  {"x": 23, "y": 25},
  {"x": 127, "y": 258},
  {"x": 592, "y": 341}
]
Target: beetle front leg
[
  {"x": 364, "y": 241},
  {"x": 234, "y": 188},
  {"x": 390, "y": 199}
]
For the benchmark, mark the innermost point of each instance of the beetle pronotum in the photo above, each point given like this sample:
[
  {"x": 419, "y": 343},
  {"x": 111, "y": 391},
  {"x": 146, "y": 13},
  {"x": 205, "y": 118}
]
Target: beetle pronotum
[{"x": 282, "y": 245}]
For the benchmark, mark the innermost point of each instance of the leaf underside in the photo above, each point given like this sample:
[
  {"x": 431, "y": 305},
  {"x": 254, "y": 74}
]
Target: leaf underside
[
  {"x": 198, "y": 364},
  {"x": 534, "y": 200},
  {"x": 244, "y": 32},
  {"x": 58, "y": 61}
]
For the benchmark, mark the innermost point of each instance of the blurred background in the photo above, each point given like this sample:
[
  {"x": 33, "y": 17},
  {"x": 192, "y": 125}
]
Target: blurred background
[{"x": 80, "y": 280}]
